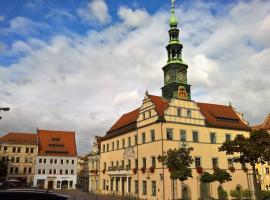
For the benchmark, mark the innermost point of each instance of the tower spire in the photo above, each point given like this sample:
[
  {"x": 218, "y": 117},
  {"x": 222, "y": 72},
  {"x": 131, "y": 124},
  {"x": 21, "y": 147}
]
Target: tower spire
[{"x": 173, "y": 20}]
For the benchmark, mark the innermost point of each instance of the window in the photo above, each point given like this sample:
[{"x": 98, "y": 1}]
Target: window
[
  {"x": 67, "y": 161},
  {"x": 104, "y": 184},
  {"x": 117, "y": 144},
  {"x": 58, "y": 184},
  {"x": 197, "y": 162},
  {"x": 61, "y": 171},
  {"x": 43, "y": 171},
  {"x": 44, "y": 160},
  {"x": 123, "y": 143},
  {"x": 16, "y": 170},
  {"x": 104, "y": 165},
  {"x": 55, "y": 161},
  {"x": 136, "y": 163},
  {"x": 129, "y": 141},
  {"x": 230, "y": 162},
  {"x": 29, "y": 170},
  {"x": 5, "y": 148},
  {"x": 50, "y": 171},
  {"x": 136, "y": 139},
  {"x": 107, "y": 147},
  {"x": 40, "y": 160},
  {"x": 153, "y": 138},
  {"x": 54, "y": 171},
  {"x": 153, "y": 161},
  {"x": 112, "y": 145},
  {"x": 39, "y": 171},
  {"x": 103, "y": 147},
  {"x": 143, "y": 137},
  {"x": 11, "y": 170},
  {"x": 215, "y": 162},
  {"x": 195, "y": 136},
  {"x": 144, "y": 116},
  {"x": 189, "y": 113},
  {"x": 129, "y": 164},
  {"x": 70, "y": 184},
  {"x": 12, "y": 159},
  {"x": 19, "y": 150},
  {"x": 62, "y": 161},
  {"x": 144, "y": 162},
  {"x": 32, "y": 150},
  {"x": 17, "y": 159},
  {"x": 72, "y": 162},
  {"x": 30, "y": 159},
  {"x": 213, "y": 138},
  {"x": 227, "y": 137},
  {"x": 179, "y": 112},
  {"x": 24, "y": 170},
  {"x": 144, "y": 188},
  {"x": 136, "y": 188},
  {"x": 66, "y": 171},
  {"x": 51, "y": 161},
  {"x": 27, "y": 150},
  {"x": 169, "y": 133},
  {"x": 26, "y": 160},
  {"x": 267, "y": 170},
  {"x": 71, "y": 171},
  {"x": 14, "y": 150},
  {"x": 154, "y": 188},
  {"x": 183, "y": 136}
]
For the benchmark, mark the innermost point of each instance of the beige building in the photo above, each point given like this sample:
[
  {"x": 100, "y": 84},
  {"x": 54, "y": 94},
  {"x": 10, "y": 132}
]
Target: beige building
[
  {"x": 263, "y": 170},
  {"x": 129, "y": 150},
  {"x": 83, "y": 172},
  {"x": 21, "y": 150}
]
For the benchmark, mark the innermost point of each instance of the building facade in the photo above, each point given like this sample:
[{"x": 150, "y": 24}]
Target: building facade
[
  {"x": 263, "y": 170},
  {"x": 129, "y": 150},
  {"x": 56, "y": 161},
  {"x": 83, "y": 172},
  {"x": 20, "y": 149}
]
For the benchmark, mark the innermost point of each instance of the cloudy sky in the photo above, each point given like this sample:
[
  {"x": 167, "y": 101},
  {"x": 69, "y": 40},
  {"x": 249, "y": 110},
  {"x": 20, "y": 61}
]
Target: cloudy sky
[{"x": 78, "y": 65}]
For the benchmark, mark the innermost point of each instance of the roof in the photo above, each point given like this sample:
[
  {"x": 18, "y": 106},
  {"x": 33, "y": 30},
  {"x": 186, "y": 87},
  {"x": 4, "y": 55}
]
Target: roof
[
  {"x": 265, "y": 125},
  {"x": 19, "y": 138},
  {"x": 221, "y": 116},
  {"x": 160, "y": 104},
  {"x": 56, "y": 143}
]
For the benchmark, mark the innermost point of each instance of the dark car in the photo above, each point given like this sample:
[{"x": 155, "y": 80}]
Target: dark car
[{"x": 30, "y": 195}]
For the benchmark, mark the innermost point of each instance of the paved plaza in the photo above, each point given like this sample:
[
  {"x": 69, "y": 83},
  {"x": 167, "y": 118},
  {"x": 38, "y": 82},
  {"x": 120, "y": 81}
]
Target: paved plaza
[{"x": 81, "y": 195}]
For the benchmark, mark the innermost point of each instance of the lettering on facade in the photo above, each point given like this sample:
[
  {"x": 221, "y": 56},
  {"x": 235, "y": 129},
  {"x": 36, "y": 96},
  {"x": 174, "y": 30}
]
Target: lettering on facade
[{"x": 129, "y": 153}]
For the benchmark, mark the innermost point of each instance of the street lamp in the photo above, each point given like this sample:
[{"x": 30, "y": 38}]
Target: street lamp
[{"x": 4, "y": 109}]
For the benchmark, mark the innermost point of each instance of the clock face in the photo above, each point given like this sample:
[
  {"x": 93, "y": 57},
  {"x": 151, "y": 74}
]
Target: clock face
[
  {"x": 167, "y": 78},
  {"x": 181, "y": 77}
]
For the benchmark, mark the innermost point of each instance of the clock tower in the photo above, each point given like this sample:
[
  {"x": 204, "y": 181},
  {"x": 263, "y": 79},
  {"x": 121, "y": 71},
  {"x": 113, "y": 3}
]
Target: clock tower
[{"x": 175, "y": 71}]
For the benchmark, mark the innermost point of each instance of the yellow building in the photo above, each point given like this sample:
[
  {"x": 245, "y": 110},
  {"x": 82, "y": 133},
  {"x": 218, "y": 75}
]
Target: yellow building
[
  {"x": 263, "y": 171},
  {"x": 20, "y": 149},
  {"x": 129, "y": 150}
]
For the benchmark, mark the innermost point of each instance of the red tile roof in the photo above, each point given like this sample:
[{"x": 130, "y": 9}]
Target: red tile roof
[
  {"x": 265, "y": 125},
  {"x": 19, "y": 138},
  {"x": 160, "y": 104},
  {"x": 221, "y": 116},
  {"x": 56, "y": 143}
]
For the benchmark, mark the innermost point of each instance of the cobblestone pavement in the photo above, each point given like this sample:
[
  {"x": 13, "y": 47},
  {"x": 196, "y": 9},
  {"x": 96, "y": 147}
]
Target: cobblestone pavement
[{"x": 80, "y": 195}]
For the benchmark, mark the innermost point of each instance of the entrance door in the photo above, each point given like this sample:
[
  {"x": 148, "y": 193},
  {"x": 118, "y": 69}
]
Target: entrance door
[{"x": 50, "y": 185}]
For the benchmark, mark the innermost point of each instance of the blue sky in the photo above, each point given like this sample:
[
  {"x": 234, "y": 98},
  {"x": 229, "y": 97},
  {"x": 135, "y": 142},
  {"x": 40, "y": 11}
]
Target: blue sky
[{"x": 79, "y": 65}]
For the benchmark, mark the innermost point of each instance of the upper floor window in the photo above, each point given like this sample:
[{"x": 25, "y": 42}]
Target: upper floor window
[
  {"x": 143, "y": 137},
  {"x": 44, "y": 160},
  {"x": 230, "y": 162},
  {"x": 144, "y": 116},
  {"x": 183, "y": 136},
  {"x": 267, "y": 170},
  {"x": 40, "y": 160},
  {"x": 153, "y": 161},
  {"x": 195, "y": 136},
  {"x": 32, "y": 150},
  {"x": 144, "y": 188},
  {"x": 103, "y": 147},
  {"x": 169, "y": 132},
  {"x": 198, "y": 162},
  {"x": 72, "y": 162},
  {"x": 179, "y": 112},
  {"x": 117, "y": 144},
  {"x": 144, "y": 162},
  {"x": 189, "y": 113},
  {"x": 27, "y": 150},
  {"x": 123, "y": 143},
  {"x": 5, "y": 148},
  {"x": 215, "y": 162},
  {"x": 154, "y": 188},
  {"x": 13, "y": 149},
  {"x": 107, "y": 147},
  {"x": 153, "y": 136},
  {"x": 129, "y": 141},
  {"x": 19, "y": 150},
  {"x": 213, "y": 138},
  {"x": 112, "y": 145},
  {"x": 227, "y": 137},
  {"x": 136, "y": 139}
]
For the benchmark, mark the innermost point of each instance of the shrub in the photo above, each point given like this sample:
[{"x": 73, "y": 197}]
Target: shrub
[
  {"x": 237, "y": 194},
  {"x": 222, "y": 194},
  {"x": 263, "y": 194},
  {"x": 247, "y": 194}
]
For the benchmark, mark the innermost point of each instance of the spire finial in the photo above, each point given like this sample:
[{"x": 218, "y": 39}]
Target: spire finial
[{"x": 173, "y": 20}]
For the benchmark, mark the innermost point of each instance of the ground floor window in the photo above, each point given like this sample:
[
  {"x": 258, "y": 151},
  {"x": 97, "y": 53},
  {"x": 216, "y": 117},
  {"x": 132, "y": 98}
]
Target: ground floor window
[
  {"x": 154, "y": 188},
  {"x": 104, "y": 184},
  {"x": 64, "y": 184},
  {"x": 70, "y": 184},
  {"x": 136, "y": 189},
  {"x": 144, "y": 188},
  {"x": 58, "y": 184}
]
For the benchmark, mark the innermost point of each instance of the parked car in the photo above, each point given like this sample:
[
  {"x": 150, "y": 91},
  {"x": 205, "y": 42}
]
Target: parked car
[{"x": 30, "y": 194}]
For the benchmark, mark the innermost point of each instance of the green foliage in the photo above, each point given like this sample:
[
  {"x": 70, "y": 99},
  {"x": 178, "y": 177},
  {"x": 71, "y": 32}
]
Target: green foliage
[
  {"x": 221, "y": 175},
  {"x": 206, "y": 177},
  {"x": 3, "y": 168},
  {"x": 222, "y": 194},
  {"x": 237, "y": 194},
  {"x": 179, "y": 162},
  {"x": 263, "y": 195},
  {"x": 247, "y": 194}
]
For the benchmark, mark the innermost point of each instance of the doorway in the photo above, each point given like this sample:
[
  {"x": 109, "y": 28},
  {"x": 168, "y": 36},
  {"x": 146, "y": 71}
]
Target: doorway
[{"x": 50, "y": 185}]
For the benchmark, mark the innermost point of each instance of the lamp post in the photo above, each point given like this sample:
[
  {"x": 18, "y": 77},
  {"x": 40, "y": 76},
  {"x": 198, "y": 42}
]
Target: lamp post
[{"x": 4, "y": 109}]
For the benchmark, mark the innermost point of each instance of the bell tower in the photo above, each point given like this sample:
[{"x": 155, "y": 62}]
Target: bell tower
[{"x": 175, "y": 71}]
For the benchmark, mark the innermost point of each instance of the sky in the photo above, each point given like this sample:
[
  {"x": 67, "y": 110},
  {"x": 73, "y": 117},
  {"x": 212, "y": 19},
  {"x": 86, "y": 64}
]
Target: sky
[{"x": 78, "y": 65}]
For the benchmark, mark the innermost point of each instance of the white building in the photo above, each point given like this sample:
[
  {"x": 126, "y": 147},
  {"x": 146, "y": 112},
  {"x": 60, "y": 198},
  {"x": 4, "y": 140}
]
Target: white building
[{"x": 56, "y": 162}]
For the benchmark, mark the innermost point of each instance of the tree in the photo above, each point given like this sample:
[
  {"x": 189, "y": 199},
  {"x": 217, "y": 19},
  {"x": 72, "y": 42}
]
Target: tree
[
  {"x": 206, "y": 177},
  {"x": 179, "y": 163},
  {"x": 221, "y": 176},
  {"x": 253, "y": 150},
  {"x": 3, "y": 168}
]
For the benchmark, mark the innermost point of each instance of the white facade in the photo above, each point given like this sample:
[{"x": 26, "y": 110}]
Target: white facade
[{"x": 55, "y": 172}]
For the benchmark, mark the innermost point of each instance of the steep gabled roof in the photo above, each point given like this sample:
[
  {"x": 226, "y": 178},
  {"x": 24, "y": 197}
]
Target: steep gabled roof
[
  {"x": 160, "y": 104},
  {"x": 221, "y": 116},
  {"x": 19, "y": 138},
  {"x": 265, "y": 125},
  {"x": 56, "y": 143}
]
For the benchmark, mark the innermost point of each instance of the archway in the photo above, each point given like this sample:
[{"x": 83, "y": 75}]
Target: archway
[
  {"x": 185, "y": 193},
  {"x": 205, "y": 191}
]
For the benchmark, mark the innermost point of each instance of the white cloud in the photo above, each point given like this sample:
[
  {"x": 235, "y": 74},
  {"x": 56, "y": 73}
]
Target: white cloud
[
  {"x": 2, "y": 18},
  {"x": 59, "y": 14},
  {"x": 84, "y": 83},
  {"x": 96, "y": 11},
  {"x": 133, "y": 17}
]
